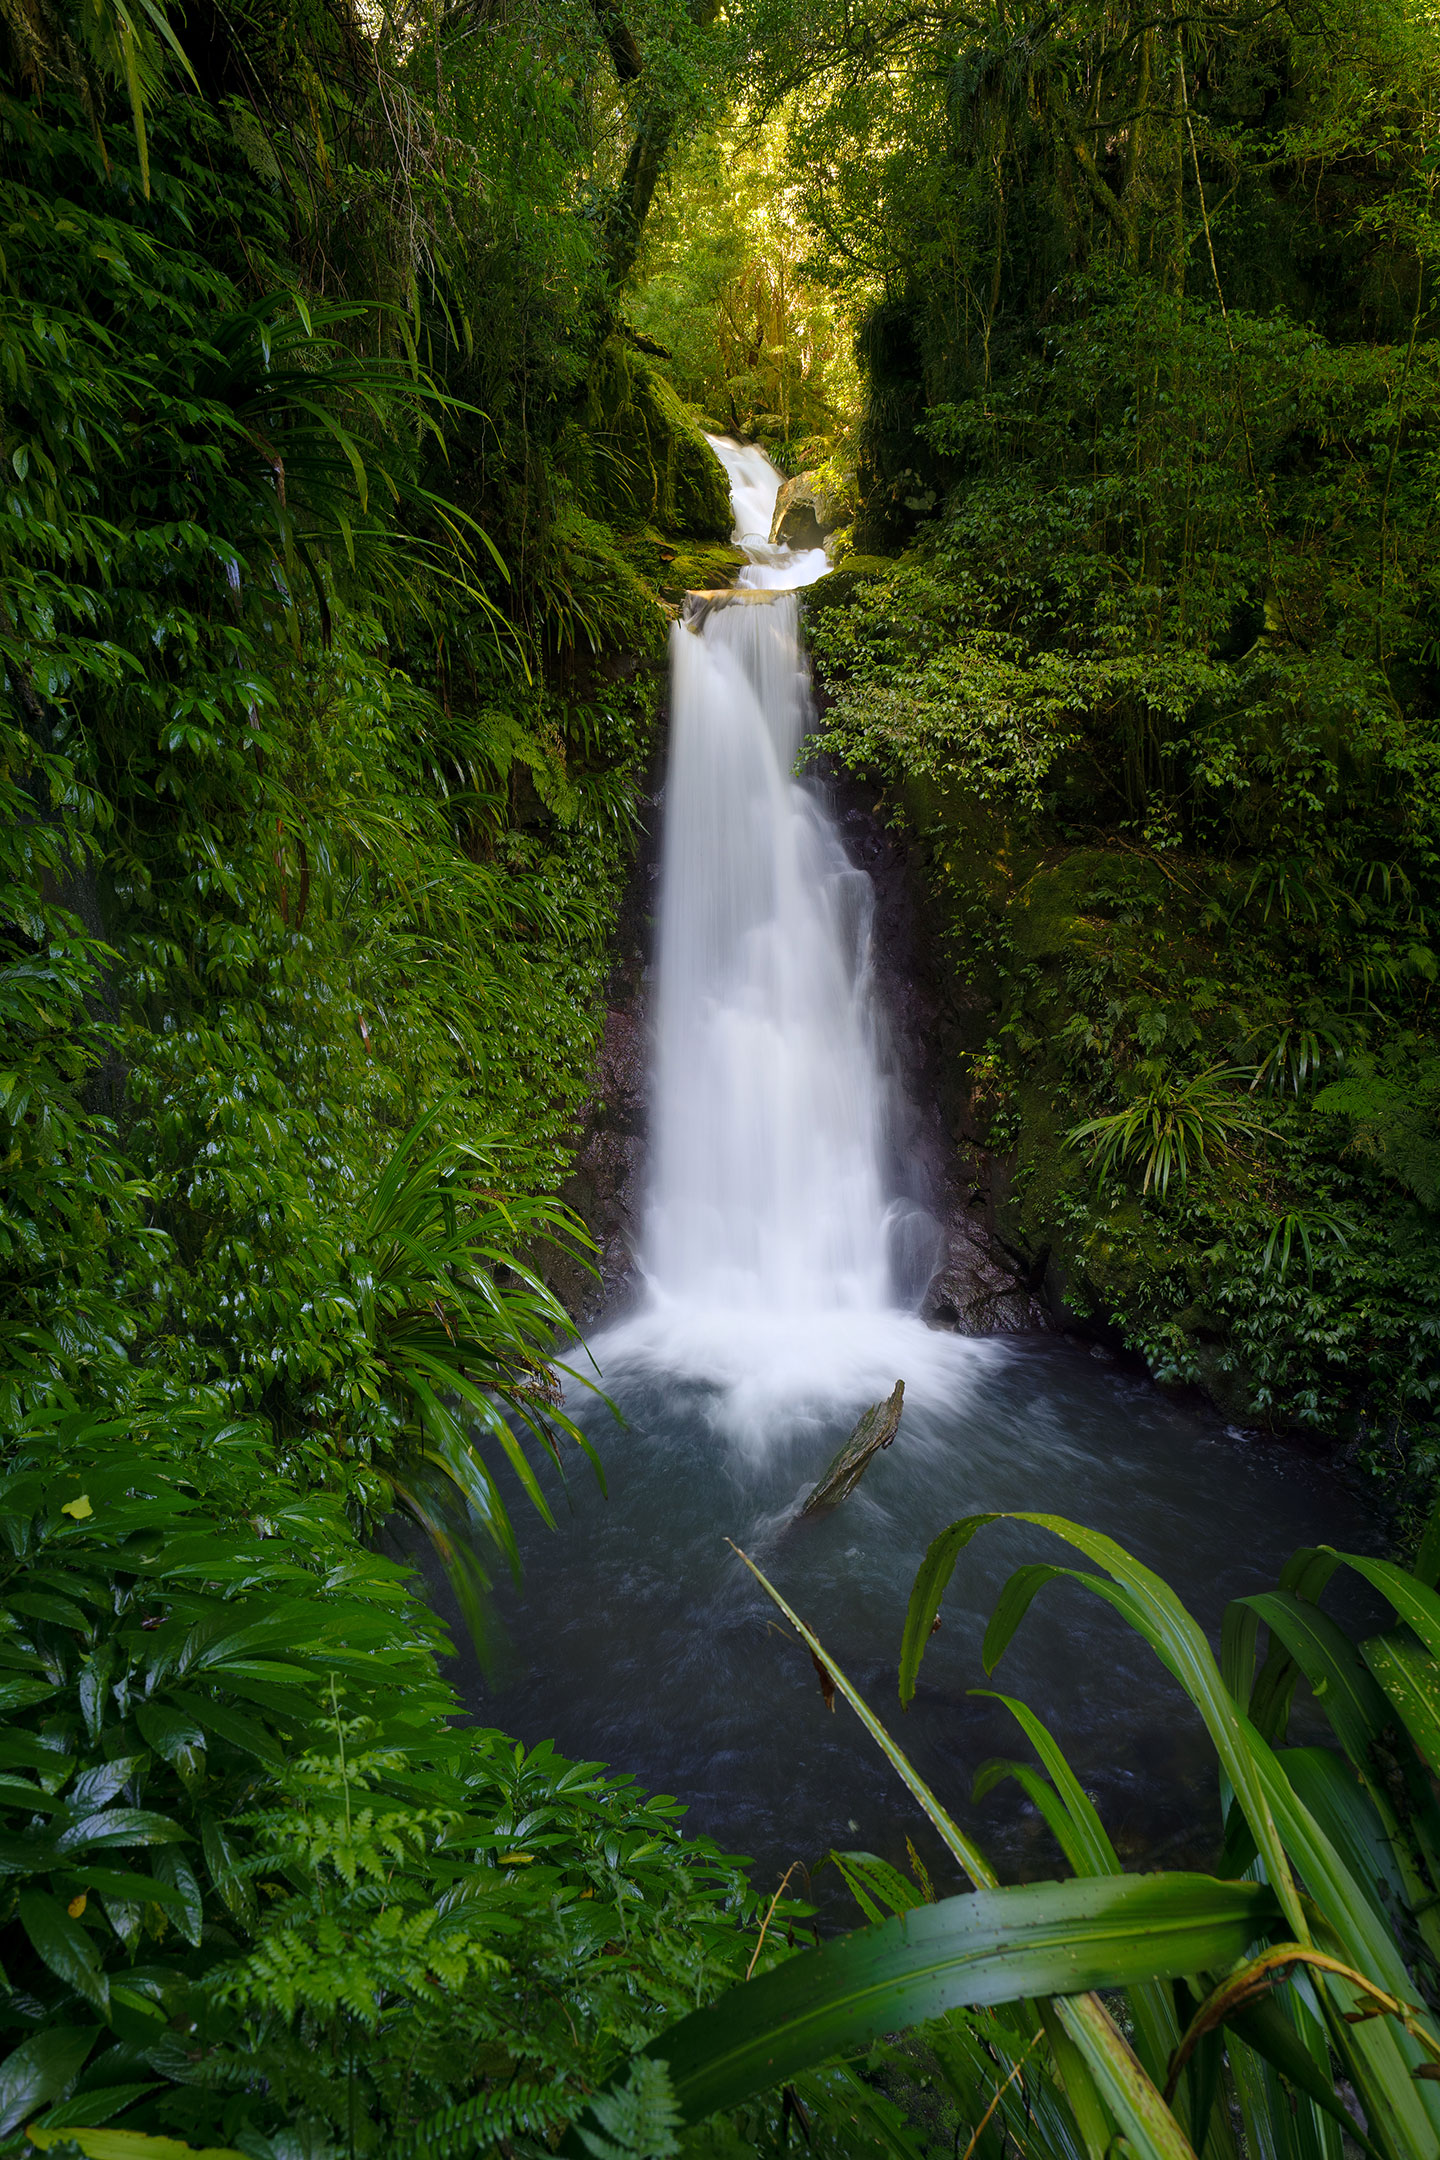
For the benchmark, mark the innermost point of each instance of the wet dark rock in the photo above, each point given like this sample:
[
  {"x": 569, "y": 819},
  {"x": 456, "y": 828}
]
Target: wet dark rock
[
  {"x": 606, "y": 1183},
  {"x": 805, "y": 514},
  {"x": 977, "y": 1288}
]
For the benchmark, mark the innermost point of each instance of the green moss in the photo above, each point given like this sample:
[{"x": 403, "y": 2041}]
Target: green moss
[
  {"x": 838, "y": 586},
  {"x": 602, "y": 592},
  {"x": 637, "y": 453},
  {"x": 695, "y": 568},
  {"x": 1067, "y": 905}
]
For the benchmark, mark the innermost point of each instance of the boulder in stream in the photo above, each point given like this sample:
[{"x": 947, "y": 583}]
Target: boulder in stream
[
  {"x": 876, "y": 1429},
  {"x": 804, "y": 513}
]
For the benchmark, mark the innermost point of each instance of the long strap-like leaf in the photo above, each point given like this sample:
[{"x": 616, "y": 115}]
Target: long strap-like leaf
[
  {"x": 1153, "y": 1609},
  {"x": 976, "y": 1866},
  {"x": 986, "y": 1947}
]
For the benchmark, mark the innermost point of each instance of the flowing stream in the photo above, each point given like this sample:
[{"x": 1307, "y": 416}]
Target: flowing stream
[{"x": 785, "y": 1252}]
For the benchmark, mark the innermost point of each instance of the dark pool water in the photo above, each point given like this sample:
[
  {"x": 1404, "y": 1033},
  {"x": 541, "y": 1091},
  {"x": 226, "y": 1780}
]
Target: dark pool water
[{"x": 639, "y": 1639}]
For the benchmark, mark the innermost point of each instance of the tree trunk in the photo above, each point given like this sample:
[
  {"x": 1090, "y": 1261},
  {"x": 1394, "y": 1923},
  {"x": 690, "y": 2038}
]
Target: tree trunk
[{"x": 657, "y": 121}]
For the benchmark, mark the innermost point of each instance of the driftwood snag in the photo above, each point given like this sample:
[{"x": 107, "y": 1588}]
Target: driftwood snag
[{"x": 875, "y": 1430}]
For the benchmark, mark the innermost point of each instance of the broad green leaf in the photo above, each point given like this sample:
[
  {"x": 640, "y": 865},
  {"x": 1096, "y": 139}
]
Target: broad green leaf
[
  {"x": 1365, "y": 1724},
  {"x": 1083, "y": 1839},
  {"x": 129, "y": 2145},
  {"x": 1240, "y": 1631},
  {"x": 1153, "y": 1609},
  {"x": 93, "y": 2108},
  {"x": 17, "y": 1694},
  {"x": 1263, "y": 2025},
  {"x": 1275, "y": 2119},
  {"x": 40, "y": 2069},
  {"x": 112, "y": 1828},
  {"x": 232, "y": 1725},
  {"x": 134, "y": 1889},
  {"x": 1330, "y": 1662},
  {"x": 1093, "y": 1852},
  {"x": 926, "y": 1592},
  {"x": 175, "y": 1737},
  {"x": 1145, "y": 2122},
  {"x": 234, "y": 1887},
  {"x": 1417, "y": 1605},
  {"x": 1379, "y": 2058},
  {"x": 65, "y": 1946},
  {"x": 1346, "y": 1812},
  {"x": 94, "y": 1787},
  {"x": 173, "y": 1870},
  {"x": 23, "y": 1749},
  {"x": 987, "y": 1947},
  {"x": 1042, "y": 1796},
  {"x": 877, "y": 1888},
  {"x": 40, "y": 1605},
  {"x": 1410, "y": 1678},
  {"x": 1083, "y": 2095}
]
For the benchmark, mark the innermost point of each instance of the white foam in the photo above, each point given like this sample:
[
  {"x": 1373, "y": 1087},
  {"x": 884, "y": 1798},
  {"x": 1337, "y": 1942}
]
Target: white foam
[{"x": 774, "y": 1373}]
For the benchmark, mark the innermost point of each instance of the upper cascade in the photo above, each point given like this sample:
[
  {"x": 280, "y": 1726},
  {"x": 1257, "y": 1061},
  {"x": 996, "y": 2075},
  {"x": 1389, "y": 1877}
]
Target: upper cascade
[{"x": 755, "y": 486}]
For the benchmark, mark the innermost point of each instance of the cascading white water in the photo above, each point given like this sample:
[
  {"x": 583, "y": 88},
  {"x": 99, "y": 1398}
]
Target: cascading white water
[
  {"x": 768, "y": 1122},
  {"x": 754, "y": 487},
  {"x": 779, "y": 1264},
  {"x": 772, "y": 1319}
]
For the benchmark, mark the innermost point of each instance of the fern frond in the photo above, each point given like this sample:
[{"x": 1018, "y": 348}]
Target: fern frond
[
  {"x": 641, "y": 2116},
  {"x": 454, "y": 2132}
]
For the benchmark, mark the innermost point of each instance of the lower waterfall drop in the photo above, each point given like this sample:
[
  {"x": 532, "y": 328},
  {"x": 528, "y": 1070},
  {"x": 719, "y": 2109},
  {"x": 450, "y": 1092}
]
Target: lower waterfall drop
[
  {"x": 768, "y": 1117},
  {"x": 778, "y": 1259}
]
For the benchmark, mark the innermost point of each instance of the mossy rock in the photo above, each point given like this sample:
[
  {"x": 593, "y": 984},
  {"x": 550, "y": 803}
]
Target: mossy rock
[
  {"x": 700, "y": 568},
  {"x": 1228, "y": 1385},
  {"x": 838, "y": 586},
  {"x": 639, "y": 455},
  {"x": 1050, "y": 1168},
  {"x": 1062, "y": 903}
]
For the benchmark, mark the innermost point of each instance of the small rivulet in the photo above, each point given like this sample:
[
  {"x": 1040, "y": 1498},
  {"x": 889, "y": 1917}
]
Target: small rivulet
[{"x": 876, "y": 1429}]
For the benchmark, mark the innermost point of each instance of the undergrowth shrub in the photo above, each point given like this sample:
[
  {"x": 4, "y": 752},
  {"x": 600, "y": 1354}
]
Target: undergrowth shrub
[
  {"x": 305, "y": 840},
  {"x": 259, "y": 1882}
]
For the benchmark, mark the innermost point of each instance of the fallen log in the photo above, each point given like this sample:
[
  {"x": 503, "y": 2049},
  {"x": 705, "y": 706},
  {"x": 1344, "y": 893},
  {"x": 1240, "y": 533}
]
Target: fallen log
[{"x": 876, "y": 1429}]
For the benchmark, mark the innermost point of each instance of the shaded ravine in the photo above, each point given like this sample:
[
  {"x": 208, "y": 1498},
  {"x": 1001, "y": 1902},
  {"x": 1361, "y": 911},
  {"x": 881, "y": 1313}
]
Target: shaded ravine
[{"x": 784, "y": 1251}]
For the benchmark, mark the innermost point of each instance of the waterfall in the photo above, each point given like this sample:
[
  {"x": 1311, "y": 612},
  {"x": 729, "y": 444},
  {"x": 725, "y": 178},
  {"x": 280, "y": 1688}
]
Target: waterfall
[
  {"x": 778, "y": 1257},
  {"x": 768, "y": 1121}
]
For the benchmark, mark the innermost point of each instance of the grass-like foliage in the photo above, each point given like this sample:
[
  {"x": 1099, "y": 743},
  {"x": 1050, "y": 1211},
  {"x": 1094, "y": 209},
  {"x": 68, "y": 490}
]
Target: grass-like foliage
[
  {"x": 1239, "y": 2010},
  {"x": 1171, "y": 1127},
  {"x": 463, "y": 1331}
]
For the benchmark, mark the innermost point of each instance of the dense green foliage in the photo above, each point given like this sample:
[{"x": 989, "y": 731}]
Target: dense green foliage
[
  {"x": 327, "y": 689},
  {"x": 720, "y": 285},
  {"x": 258, "y": 1885},
  {"x": 314, "y": 816},
  {"x": 1146, "y": 320}
]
